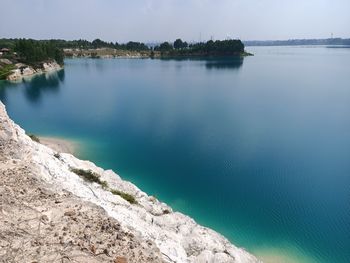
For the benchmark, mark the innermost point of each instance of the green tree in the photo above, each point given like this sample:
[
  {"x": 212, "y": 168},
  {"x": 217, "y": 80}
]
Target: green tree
[
  {"x": 178, "y": 44},
  {"x": 33, "y": 51},
  {"x": 166, "y": 46}
]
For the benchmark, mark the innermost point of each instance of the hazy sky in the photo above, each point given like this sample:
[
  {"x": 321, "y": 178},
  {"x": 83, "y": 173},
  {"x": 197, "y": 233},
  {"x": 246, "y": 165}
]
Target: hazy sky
[{"x": 158, "y": 20}]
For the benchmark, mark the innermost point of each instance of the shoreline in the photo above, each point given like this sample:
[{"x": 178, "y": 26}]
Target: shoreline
[
  {"x": 29, "y": 72},
  {"x": 177, "y": 236},
  {"x": 103, "y": 53}
]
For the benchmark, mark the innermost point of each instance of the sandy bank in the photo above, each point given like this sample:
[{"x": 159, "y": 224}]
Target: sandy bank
[
  {"x": 59, "y": 145},
  {"x": 283, "y": 254}
]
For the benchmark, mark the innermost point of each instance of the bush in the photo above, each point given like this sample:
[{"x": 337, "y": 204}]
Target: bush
[
  {"x": 90, "y": 176},
  {"x": 128, "y": 197},
  {"x": 104, "y": 185},
  {"x": 34, "y": 138},
  {"x": 5, "y": 71}
]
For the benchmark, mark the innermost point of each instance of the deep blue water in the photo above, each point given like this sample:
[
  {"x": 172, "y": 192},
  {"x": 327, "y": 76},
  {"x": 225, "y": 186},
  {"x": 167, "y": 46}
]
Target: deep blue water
[{"x": 258, "y": 149}]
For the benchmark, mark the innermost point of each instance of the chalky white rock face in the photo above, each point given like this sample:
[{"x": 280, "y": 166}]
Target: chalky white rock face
[
  {"x": 179, "y": 237},
  {"x": 27, "y": 71}
]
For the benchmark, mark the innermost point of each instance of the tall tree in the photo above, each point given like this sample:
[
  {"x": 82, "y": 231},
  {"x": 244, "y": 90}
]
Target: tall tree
[{"x": 178, "y": 44}]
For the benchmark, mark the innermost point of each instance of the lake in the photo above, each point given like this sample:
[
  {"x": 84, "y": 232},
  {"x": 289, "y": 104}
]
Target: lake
[{"x": 256, "y": 148}]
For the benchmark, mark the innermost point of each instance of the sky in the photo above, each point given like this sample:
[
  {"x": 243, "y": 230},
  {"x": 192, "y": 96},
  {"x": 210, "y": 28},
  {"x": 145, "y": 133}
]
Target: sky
[{"x": 166, "y": 20}]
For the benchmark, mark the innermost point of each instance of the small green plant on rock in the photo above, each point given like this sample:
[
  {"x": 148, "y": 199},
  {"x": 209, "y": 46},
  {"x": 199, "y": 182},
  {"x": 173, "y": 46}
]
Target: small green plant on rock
[
  {"x": 90, "y": 176},
  {"x": 34, "y": 138},
  {"x": 128, "y": 197},
  {"x": 104, "y": 185}
]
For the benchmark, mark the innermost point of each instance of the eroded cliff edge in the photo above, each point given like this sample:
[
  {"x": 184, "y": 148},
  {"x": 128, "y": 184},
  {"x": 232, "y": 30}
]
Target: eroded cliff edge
[
  {"x": 48, "y": 213},
  {"x": 18, "y": 71}
]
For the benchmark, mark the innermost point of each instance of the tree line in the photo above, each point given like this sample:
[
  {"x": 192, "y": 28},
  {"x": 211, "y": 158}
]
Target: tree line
[
  {"x": 79, "y": 44},
  {"x": 33, "y": 51},
  {"x": 218, "y": 47},
  {"x": 98, "y": 43},
  {"x": 39, "y": 50}
]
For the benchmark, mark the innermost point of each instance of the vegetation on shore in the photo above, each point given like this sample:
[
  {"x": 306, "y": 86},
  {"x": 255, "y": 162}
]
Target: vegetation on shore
[
  {"x": 34, "y": 137},
  {"x": 32, "y": 51},
  {"x": 92, "y": 177},
  {"x": 88, "y": 175},
  {"x": 128, "y": 197},
  {"x": 35, "y": 50},
  {"x": 210, "y": 48},
  {"x": 18, "y": 54},
  {"x": 78, "y": 44},
  {"x": 6, "y": 70}
]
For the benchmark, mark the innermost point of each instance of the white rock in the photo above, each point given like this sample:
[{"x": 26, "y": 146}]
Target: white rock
[{"x": 27, "y": 71}]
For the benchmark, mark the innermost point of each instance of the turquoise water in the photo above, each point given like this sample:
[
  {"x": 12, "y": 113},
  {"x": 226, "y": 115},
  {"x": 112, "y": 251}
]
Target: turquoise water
[{"x": 258, "y": 149}]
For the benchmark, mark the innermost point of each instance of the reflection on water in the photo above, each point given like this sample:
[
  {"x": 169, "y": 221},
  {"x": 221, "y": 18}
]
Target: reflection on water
[
  {"x": 37, "y": 85},
  {"x": 213, "y": 62},
  {"x": 2, "y": 91},
  {"x": 224, "y": 63}
]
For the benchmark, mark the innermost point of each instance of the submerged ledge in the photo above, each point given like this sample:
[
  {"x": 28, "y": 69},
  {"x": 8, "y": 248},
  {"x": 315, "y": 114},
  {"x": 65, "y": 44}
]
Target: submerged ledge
[{"x": 178, "y": 237}]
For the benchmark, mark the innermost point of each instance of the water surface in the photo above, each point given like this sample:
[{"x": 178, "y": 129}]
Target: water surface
[{"x": 257, "y": 149}]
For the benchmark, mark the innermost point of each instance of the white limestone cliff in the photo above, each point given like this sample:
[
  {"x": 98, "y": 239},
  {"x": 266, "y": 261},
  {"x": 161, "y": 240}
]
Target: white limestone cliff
[{"x": 23, "y": 70}]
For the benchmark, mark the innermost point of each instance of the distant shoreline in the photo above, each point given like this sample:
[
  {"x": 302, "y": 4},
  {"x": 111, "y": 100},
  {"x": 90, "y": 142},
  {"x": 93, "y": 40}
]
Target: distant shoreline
[
  {"x": 299, "y": 42},
  {"x": 101, "y": 53}
]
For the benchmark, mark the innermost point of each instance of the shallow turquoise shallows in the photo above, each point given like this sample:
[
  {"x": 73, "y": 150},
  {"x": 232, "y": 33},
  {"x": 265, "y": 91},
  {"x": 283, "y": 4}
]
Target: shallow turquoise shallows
[{"x": 257, "y": 149}]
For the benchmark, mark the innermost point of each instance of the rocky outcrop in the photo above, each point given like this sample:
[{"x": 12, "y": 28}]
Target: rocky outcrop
[
  {"x": 44, "y": 180},
  {"x": 5, "y": 61},
  {"x": 105, "y": 53},
  {"x": 22, "y": 70}
]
